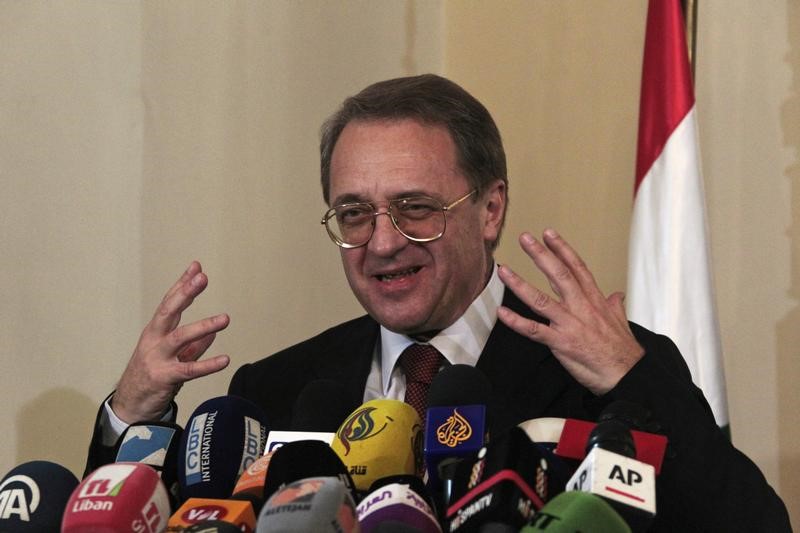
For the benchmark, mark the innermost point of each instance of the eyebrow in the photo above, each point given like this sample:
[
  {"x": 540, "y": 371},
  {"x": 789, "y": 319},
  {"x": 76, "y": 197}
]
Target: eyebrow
[{"x": 353, "y": 198}]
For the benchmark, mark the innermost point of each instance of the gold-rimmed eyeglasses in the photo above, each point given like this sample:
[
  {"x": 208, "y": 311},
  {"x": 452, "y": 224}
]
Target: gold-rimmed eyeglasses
[{"x": 418, "y": 218}]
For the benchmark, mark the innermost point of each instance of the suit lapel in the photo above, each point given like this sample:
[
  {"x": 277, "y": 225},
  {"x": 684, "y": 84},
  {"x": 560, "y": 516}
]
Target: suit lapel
[
  {"x": 527, "y": 380},
  {"x": 349, "y": 358}
]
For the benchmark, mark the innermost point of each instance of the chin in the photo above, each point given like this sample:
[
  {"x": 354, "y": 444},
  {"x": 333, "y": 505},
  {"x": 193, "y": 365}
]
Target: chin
[{"x": 399, "y": 324}]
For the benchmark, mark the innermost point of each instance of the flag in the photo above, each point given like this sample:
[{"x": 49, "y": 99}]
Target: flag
[{"x": 670, "y": 286}]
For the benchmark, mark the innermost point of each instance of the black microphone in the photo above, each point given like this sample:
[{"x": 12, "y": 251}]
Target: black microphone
[
  {"x": 611, "y": 471},
  {"x": 317, "y": 413},
  {"x": 322, "y": 405},
  {"x": 304, "y": 459},
  {"x": 455, "y": 423},
  {"x": 506, "y": 482},
  {"x": 33, "y": 496},
  {"x": 223, "y": 437}
]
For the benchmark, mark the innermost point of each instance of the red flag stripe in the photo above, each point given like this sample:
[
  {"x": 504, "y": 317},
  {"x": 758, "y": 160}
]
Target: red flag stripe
[{"x": 667, "y": 94}]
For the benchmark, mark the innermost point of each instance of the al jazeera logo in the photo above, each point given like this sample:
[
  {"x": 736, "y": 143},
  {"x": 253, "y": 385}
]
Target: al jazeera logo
[
  {"x": 455, "y": 430},
  {"x": 360, "y": 426}
]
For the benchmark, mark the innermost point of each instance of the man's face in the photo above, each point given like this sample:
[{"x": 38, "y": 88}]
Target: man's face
[{"x": 413, "y": 287}]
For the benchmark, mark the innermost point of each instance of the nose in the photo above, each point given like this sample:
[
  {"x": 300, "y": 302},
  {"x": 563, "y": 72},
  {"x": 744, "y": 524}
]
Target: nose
[{"x": 386, "y": 239}]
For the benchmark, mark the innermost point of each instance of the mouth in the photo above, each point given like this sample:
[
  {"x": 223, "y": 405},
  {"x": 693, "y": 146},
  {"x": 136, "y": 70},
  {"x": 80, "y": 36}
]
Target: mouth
[{"x": 398, "y": 275}]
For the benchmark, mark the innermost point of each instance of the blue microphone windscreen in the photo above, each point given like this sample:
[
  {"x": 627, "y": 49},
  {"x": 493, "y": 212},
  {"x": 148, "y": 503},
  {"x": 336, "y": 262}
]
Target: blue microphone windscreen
[
  {"x": 223, "y": 437},
  {"x": 33, "y": 496}
]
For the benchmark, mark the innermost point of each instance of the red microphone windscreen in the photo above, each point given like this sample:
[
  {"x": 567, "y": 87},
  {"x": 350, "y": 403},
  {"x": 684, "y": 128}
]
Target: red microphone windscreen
[{"x": 118, "y": 497}]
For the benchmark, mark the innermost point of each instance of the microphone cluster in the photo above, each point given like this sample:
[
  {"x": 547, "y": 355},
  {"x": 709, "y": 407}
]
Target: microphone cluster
[{"x": 372, "y": 468}]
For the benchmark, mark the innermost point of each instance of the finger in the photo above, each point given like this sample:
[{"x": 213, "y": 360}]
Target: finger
[
  {"x": 178, "y": 339},
  {"x": 194, "y": 350},
  {"x": 531, "y": 329},
  {"x": 193, "y": 268},
  {"x": 537, "y": 300},
  {"x": 558, "y": 274},
  {"x": 168, "y": 313},
  {"x": 574, "y": 263},
  {"x": 196, "y": 369}
]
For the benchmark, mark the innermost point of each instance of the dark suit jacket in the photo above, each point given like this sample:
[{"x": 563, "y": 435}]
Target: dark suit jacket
[{"x": 705, "y": 483}]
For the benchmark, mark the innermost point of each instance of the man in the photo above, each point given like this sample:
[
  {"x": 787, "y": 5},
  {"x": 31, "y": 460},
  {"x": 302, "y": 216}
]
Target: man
[{"x": 414, "y": 172}]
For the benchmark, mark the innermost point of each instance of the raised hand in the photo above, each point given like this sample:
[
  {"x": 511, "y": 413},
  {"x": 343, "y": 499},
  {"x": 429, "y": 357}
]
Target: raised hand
[
  {"x": 588, "y": 332},
  {"x": 167, "y": 353}
]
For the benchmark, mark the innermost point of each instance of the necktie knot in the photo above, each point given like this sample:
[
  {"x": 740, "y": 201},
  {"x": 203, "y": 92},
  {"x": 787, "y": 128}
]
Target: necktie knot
[{"x": 420, "y": 362}]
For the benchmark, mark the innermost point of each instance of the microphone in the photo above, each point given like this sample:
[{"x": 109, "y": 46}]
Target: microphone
[
  {"x": 224, "y": 436},
  {"x": 196, "y": 511},
  {"x": 316, "y": 415},
  {"x": 577, "y": 511},
  {"x": 455, "y": 422},
  {"x": 380, "y": 438},
  {"x": 396, "y": 502},
  {"x": 321, "y": 406},
  {"x": 211, "y": 526},
  {"x": 414, "y": 483},
  {"x": 118, "y": 497},
  {"x": 155, "y": 444},
  {"x": 33, "y": 496},
  {"x": 304, "y": 459},
  {"x": 507, "y": 482},
  {"x": 250, "y": 485},
  {"x": 650, "y": 447},
  {"x": 394, "y": 526},
  {"x": 611, "y": 472},
  {"x": 319, "y": 504},
  {"x": 546, "y": 430}
]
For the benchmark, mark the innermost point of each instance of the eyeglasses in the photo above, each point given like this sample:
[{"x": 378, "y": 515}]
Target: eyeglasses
[{"x": 417, "y": 218}]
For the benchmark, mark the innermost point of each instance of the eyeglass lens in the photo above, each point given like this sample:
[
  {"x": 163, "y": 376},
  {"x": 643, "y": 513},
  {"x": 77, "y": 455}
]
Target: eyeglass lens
[{"x": 417, "y": 218}]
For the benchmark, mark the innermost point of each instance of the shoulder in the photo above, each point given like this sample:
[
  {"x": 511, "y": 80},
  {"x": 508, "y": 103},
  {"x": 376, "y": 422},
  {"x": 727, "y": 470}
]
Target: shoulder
[
  {"x": 337, "y": 340},
  {"x": 342, "y": 353}
]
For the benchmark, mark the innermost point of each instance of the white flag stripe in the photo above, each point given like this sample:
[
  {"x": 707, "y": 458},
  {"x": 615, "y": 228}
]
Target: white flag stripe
[{"x": 670, "y": 287}]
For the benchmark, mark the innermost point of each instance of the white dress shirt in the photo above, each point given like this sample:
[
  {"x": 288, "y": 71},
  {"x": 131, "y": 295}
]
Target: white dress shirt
[{"x": 460, "y": 343}]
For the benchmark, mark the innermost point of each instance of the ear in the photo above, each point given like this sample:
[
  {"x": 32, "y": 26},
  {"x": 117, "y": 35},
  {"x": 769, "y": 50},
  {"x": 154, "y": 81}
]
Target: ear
[{"x": 494, "y": 207}]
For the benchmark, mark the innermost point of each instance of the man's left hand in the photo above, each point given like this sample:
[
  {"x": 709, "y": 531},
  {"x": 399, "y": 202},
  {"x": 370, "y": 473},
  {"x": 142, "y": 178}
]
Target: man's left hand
[{"x": 588, "y": 332}]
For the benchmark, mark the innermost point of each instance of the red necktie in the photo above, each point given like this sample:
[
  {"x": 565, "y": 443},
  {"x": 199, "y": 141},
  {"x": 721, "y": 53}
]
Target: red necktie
[{"x": 420, "y": 362}]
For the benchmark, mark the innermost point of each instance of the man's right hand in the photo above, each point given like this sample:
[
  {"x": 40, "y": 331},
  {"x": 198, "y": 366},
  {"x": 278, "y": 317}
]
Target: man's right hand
[{"x": 166, "y": 354}]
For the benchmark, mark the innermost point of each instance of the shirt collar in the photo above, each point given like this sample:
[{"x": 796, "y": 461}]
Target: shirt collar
[{"x": 460, "y": 343}]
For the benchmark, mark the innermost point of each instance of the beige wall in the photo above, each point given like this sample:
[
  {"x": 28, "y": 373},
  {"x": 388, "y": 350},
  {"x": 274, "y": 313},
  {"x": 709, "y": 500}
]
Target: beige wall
[{"x": 139, "y": 136}]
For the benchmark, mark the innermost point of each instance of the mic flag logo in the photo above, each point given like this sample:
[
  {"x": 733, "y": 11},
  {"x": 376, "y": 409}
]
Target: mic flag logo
[
  {"x": 14, "y": 498},
  {"x": 204, "y": 512},
  {"x": 198, "y": 448},
  {"x": 107, "y": 481},
  {"x": 455, "y": 430},
  {"x": 146, "y": 444},
  {"x": 358, "y": 427}
]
